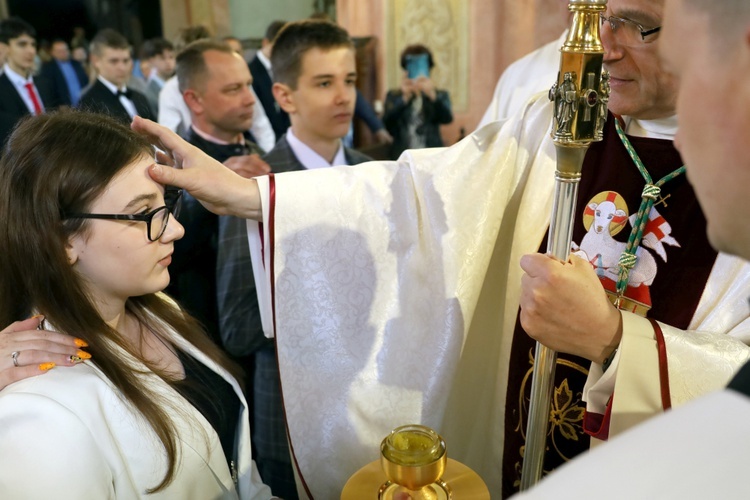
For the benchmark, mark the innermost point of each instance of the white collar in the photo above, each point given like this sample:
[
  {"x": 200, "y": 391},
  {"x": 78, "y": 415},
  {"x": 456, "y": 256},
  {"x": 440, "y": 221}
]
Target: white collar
[
  {"x": 15, "y": 78},
  {"x": 264, "y": 60},
  {"x": 309, "y": 158},
  {"x": 111, "y": 86},
  {"x": 661, "y": 128},
  {"x": 215, "y": 140}
]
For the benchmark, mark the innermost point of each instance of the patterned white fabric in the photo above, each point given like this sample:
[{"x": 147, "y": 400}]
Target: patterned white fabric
[
  {"x": 396, "y": 292},
  {"x": 533, "y": 73}
]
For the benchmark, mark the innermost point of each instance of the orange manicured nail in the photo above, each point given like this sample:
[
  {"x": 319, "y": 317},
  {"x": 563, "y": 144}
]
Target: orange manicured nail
[
  {"x": 37, "y": 316},
  {"x": 80, "y": 343},
  {"x": 46, "y": 366},
  {"x": 83, "y": 355}
]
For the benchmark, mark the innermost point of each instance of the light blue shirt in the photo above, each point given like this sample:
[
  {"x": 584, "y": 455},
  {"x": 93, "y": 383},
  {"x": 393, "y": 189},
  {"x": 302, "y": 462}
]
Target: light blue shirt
[{"x": 71, "y": 80}]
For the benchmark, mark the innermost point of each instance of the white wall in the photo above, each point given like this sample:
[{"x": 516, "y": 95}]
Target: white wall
[{"x": 250, "y": 18}]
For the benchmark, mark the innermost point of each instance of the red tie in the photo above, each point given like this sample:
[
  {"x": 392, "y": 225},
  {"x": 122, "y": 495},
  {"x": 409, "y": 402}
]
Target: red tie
[{"x": 34, "y": 99}]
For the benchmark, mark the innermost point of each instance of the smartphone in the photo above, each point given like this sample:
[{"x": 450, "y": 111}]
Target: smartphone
[{"x": 417, "y": 65}]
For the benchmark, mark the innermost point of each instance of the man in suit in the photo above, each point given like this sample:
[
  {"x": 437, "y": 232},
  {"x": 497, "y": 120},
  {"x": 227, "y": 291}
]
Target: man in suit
[
  {"x": 215, "y": 85},
  {"x": 66, "y": 76},
  {"x": 314, "y": 83},
  {"x": 20, "y": 93},
  {"x": 161, "y": 57},
  {"x": 110, "y": 55},
  {"x": 260, "y": 67}
]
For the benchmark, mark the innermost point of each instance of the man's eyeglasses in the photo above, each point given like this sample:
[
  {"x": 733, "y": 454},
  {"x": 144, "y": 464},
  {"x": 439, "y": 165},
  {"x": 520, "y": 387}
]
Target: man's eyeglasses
[
  {"x": 156, "y": 220},
  {"x": 628, "y": 32}
]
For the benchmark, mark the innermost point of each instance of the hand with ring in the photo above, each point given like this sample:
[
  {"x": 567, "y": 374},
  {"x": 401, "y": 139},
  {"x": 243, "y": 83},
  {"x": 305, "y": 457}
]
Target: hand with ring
[{"x": 26, "y": 351}]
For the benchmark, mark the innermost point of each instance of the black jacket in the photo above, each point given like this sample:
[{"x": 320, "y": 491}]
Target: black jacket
[
  {"x": 99, "y": 99},
  {"x": 52, "y": 72},
  {"x": 396, "y": 119},
  {"x": 193, "y": 269},
  {"x": 262, "y": 86},
  {"x": 13, "y": 108}
]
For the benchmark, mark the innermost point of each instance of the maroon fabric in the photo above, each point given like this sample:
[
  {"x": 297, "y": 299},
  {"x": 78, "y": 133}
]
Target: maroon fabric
[
  {"x": 596, "y": 425},
  {"x": 272, "y": 243},
  {"x": 674, "y": 293},
  {"x": 666, "y": 397}
]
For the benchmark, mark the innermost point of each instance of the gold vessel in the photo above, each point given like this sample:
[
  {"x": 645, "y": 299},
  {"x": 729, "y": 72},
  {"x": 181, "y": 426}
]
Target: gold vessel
[{"x": 413, "y": 458}]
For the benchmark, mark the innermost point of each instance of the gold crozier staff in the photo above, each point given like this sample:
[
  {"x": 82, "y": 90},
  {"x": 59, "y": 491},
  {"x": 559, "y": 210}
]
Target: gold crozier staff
[{"x": 580, "y": 96}]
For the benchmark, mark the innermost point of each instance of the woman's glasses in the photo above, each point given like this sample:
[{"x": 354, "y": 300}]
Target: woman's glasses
[{"x": 156, "y": 220}]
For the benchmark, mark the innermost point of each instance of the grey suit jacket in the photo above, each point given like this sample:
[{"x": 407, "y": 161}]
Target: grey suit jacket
[
  {"x": 152, "y": 94},
  {"x": 239, "y": 315}
]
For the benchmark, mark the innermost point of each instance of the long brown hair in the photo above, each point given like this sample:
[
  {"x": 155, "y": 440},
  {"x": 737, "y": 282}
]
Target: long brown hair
[{"x": 60, "y": 163}]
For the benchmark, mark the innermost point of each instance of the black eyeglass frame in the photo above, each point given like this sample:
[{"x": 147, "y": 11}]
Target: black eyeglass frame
[
  {"x": 641, "y": 29},
  {"x": 171, "y": 195}
]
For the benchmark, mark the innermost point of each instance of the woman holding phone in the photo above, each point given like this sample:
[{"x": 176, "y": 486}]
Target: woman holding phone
[
  {"x": 86, "y": 238},
  {"x": 413, "y": 113}
]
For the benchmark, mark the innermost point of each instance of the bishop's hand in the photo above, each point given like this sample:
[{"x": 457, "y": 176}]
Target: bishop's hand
[
  {"x": 218, "y": 188},
  {"x": 565, "y": 308}
]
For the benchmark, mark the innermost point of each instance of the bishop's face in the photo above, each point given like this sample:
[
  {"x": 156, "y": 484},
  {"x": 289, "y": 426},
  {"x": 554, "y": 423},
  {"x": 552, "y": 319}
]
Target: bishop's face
[{"x": 640, "y": 87}]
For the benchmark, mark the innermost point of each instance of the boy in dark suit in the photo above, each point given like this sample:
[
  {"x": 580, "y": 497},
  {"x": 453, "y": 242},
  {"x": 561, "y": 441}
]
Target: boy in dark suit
[
  {"x": 110, "y": 55},
  {"x": 20, "y": 93}
]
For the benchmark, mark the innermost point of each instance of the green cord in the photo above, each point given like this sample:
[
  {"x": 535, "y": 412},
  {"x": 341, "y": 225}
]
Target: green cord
[{"x": 651, "y": 192}]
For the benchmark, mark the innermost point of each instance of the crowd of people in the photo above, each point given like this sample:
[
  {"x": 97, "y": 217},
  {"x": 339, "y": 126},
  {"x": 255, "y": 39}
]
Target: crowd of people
[{"x": 252, "y": 323}]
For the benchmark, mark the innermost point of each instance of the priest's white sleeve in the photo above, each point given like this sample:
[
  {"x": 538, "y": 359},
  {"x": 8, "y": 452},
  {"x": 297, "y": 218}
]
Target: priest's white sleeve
[
  {"x": 261, "y": 251},
  {"x": 699, "y": 360}
]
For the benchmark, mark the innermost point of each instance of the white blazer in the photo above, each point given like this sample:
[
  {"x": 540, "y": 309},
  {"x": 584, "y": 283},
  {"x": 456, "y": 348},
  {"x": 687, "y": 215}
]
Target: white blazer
[{"x": 69, "y": 434}]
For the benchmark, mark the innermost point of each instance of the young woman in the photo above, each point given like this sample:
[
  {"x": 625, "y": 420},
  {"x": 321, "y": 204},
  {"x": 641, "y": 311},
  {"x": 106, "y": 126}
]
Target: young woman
[{"x": 86, "y": 238}]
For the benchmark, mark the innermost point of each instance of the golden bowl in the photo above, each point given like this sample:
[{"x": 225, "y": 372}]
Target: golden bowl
[{"x": 413, "y": 456}]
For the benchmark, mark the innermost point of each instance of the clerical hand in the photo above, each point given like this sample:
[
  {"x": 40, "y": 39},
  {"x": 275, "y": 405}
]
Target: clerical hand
[
  {"x": 217, "y": 188},
  {"x": 564, "y": 307}
]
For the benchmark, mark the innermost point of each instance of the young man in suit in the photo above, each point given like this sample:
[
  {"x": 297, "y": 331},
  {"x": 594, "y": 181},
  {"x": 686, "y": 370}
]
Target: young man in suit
[
  {"x": 314, "y": 82},
  {"x": 110, "y": 55},
  {"x": 66, "y": 76},
  {"x": 20, "y": 93},
  {"x": 260, "y": 67}
]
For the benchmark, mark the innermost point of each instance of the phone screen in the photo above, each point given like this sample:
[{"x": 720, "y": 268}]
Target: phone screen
[{"x": 417, "y": 65}]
